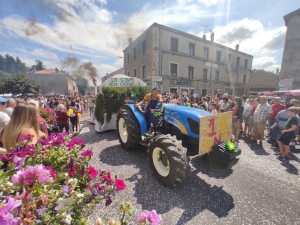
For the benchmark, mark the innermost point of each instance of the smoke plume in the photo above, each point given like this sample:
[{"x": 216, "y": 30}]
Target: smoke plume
[
  {"x": 80, "y": 71},
  {"x": 32, "y": 28}
]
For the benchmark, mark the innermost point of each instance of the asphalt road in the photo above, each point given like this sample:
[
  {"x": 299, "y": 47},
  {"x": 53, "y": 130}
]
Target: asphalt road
[{"x": 260, "y": 189}]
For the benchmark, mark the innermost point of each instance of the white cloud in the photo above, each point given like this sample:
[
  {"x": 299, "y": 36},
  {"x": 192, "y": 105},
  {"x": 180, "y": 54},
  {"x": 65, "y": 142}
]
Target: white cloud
[
  {"x": 266, "y": 62},
  {"x": 252, "y": 37},
  {"x": 43, "y": 53},
  {"x": 208, "y": 2}
]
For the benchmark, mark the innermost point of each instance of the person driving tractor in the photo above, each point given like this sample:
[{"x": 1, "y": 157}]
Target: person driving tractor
[{"x": 151, "y": 100}]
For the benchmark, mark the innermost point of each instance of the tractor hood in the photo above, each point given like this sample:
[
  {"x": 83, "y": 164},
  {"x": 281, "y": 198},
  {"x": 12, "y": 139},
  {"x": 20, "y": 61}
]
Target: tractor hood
[{"x": 193, "y": 113}]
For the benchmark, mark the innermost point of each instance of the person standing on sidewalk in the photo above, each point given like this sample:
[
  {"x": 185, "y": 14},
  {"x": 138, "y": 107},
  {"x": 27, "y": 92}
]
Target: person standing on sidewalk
[
  {"x": 62, "y": 118},
  {"x": 261, "y": 115},
  {"x": 276, "y": 108}
]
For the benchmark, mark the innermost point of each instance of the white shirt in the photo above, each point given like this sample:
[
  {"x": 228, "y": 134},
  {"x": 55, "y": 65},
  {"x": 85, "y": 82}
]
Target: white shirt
[
  {"x": 3, "y": 118},
  {"x": 214, "y": 111},
  {"x": 8, "y": 111}
]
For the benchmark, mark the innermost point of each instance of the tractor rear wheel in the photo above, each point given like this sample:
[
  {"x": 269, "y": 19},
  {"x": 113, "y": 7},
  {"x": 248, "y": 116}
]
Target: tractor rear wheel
[
  {"x": 128, "y": 129},
  {"x": 168, "y": 159}
]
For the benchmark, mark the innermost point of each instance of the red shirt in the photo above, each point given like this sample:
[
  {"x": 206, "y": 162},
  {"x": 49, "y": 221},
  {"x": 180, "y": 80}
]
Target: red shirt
[
  {"x": 276, "y": 108},
  {"x": 62, "y": 118}
]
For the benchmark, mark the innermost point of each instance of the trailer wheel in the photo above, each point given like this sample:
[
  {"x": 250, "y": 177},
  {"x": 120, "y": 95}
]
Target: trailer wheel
[
  {"x": 168, "y": 159},
  {"x": 128, "y": 129}
]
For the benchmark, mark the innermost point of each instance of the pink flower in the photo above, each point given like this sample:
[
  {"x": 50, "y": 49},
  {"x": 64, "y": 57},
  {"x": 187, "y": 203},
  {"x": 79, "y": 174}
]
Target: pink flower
[
  {"x": 120, "y": 185},
  {"x": 87, "y": 153},
  {"x": 53, "y": 174},
  {"x": 75, "y": 141},
  {"x": 152, "y": 217},
  {"x": 18, "y": 179},
  {"x": 107, "y": 178},
  {"x": 92, "y": 172},
  {"x": 27, "y": 137},
  {"x": 6, "y": 212},
  {"x": 72, "y": 172}
]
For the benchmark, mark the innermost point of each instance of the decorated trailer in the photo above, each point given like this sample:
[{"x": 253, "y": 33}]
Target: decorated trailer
[{"x": 114, "y": 94}]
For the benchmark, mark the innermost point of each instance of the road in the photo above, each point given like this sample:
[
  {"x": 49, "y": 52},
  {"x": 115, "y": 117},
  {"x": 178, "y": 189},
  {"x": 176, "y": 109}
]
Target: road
[{"x": 260, "y": 189}]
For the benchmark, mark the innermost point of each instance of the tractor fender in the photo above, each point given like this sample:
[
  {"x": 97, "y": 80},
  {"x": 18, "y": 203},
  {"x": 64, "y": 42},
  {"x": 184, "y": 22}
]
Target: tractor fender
[{"x": 141, "y": 118}]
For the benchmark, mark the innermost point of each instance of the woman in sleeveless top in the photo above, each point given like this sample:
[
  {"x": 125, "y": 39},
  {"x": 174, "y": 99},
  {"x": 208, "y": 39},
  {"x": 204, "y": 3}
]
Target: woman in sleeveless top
[{"x": 23, "y": 121}]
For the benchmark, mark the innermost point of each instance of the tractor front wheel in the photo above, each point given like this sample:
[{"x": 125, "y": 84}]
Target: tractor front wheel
[
  {"x": 168, "y": 159},
  {"x": 128, "y": 129}
]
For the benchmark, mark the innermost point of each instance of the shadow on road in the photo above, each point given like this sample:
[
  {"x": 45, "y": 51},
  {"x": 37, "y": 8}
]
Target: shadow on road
[{"x": 193, "y": 196}]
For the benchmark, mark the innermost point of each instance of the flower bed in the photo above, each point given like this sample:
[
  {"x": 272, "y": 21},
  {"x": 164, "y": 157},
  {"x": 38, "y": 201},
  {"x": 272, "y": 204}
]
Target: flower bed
[
  {"x": 52, "y": 183},
  {"x": 48, "y": 115}
]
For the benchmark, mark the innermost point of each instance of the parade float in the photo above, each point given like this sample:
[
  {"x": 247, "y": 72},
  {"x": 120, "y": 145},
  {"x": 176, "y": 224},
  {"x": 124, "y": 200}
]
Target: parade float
[{"x": 114, "y": 93}]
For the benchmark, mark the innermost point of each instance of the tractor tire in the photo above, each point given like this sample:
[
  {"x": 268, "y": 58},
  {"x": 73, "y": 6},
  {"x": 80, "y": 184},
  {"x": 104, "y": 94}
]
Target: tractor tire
[
  {"x": 168, "y": 149},
  {"x": 128, "y": 129}
]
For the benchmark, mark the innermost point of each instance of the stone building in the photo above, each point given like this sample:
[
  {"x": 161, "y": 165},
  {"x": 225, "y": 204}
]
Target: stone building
[
  {"x": 54, "y": 80},
  {"x": 290, "y": 65},
  {"x": 175, "y": 61},
  {"x": 107, "y": 76},
  {"x": 261, "y": 81}
]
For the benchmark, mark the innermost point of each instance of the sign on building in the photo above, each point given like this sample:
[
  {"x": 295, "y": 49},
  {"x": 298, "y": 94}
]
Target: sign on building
[
  {"x": 157, "y": 79},
  {"x": 285, "y": 84},
  {"x": 181, "y": 82}
]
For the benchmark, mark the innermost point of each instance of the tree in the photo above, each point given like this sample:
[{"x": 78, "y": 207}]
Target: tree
[
  {"x": 19, "y": 84},
  {"x": 2, "y": 63},
  {"x": 39, "y": 65},
  {"x": 11, "y": 65},
  {"x": 82, "y": 85}
]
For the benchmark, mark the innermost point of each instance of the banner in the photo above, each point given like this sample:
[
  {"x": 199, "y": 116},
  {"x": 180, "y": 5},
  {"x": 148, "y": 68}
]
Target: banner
[{"x": 214, "y": 129}]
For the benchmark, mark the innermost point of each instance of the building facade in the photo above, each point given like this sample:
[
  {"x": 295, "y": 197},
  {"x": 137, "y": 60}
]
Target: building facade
[
  {"x": 263, "y": 81},
  {"x": 290, "y": 65},
  {"x": 54, "y": 80},
  {"x": 176, "y": 61},
  {"x": 107, "y": 76}
]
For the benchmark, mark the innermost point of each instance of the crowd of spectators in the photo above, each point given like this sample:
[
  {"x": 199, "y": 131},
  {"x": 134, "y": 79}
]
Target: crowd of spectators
[{"x": 23, "y": 116}]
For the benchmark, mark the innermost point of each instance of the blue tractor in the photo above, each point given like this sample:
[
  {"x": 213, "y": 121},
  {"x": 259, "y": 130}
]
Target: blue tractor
[{"x": 176, "y": 130}]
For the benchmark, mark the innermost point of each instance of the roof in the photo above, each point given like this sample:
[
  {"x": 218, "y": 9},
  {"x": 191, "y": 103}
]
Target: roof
[
  {"x": 187, "y": 35},
  {"x": 49, "y": 71},
  {"x": 291, "y": 15}
]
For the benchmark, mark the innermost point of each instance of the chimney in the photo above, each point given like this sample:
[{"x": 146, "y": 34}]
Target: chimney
[
  {"x": 237, "y": 47},
  {"x": 212, "y": 36},
  {"x": 277, "y": 71},
  {"x": 129, "y": 41},
  {"x": 204, "y": 36}
]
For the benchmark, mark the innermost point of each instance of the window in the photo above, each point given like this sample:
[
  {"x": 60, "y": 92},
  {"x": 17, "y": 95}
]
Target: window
[
  {"x": 191, "y": 49},
  {"x": 127, "y": 57},
  {"x": 173, "y": 68},
  {"x": 134, "y": 72},
  {"x": 204, "y": 92},
  {"x": 144, "y": 71},
  {"x": 237, "y": 78},
  {"x": 237, "y": 61},
  {"x": 205, "y": 53},
  {"x": 204, "y": 74},
  {"x": 244, "y": 79},
  {"x": 134, "y": 53},
  {"x": 218, "y": 58},
  {"x": 191, "y": 71},
  {"x": 246, "y": 63},
  {"x": 144, "y": 47},
  {"x": 229, "y": 58},
  {"x": 128, "y": 74},
  {"x": 174, "y": 45},
  {"x": 217, "y": 76}
]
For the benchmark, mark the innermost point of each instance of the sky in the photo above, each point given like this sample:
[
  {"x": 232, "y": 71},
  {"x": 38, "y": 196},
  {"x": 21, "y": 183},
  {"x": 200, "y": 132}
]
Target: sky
[{"x": 98, "y": 30}]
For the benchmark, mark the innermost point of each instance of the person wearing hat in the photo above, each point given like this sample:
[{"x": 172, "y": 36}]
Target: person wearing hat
[
  {"x": 151, "y": 100},
  {"x": 4, "y": 118}
]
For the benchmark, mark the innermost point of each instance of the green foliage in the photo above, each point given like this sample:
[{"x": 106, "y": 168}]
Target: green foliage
[
  {"x": 12, "y": 65},
  {"x": 113, "y": 99},
  {"x": 19, "y": 84},
  {"x": 82, "y": 84},
  {"x": 99, "y": 110}
]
